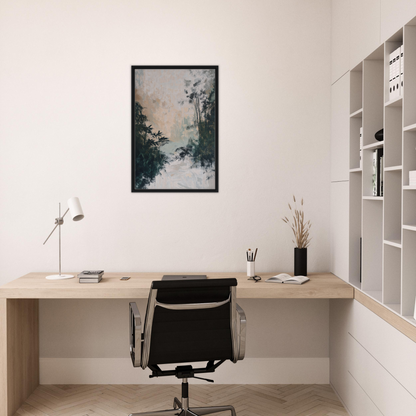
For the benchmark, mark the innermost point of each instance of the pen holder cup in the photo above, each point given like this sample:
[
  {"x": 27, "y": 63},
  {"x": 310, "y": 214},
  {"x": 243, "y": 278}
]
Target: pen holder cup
[{"x": 251, "y": 269}]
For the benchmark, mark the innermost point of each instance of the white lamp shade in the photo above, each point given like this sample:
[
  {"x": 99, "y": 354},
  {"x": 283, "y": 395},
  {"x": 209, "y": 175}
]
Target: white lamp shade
[{"x": 75, "y": 209}]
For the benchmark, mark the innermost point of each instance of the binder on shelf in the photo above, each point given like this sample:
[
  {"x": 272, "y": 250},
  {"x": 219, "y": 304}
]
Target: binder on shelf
[
  {"x": 391, "y": 57},
  {"x": 401, "y": 69},
  {"x": 394, "y": 74},
  {"x": 397, "y": 72}
]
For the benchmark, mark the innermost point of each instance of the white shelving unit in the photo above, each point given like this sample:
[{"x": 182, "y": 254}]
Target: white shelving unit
[{"x": 384, "y": 227}]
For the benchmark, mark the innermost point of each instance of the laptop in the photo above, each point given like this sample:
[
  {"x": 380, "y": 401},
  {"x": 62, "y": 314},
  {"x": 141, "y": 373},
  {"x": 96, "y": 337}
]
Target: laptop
[{"x": 184, "y": 276}]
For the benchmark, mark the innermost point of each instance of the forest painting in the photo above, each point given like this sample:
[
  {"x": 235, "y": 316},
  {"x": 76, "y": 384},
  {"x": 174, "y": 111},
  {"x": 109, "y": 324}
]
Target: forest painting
[{"x": 175, "y": 129}]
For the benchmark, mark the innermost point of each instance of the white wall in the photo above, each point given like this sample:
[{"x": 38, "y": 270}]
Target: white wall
[{"x": 65, "y": 131}]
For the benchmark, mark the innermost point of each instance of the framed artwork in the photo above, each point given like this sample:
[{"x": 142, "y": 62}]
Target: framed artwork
[{"x": 174, "y": 112}]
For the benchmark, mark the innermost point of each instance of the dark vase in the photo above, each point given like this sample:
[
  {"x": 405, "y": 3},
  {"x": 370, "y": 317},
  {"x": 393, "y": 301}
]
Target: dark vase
[{"x": 301, "y": 261}]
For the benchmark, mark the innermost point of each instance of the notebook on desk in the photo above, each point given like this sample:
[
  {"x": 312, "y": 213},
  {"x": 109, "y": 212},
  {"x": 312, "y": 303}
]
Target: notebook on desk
[{"x": 184, "y": 276}]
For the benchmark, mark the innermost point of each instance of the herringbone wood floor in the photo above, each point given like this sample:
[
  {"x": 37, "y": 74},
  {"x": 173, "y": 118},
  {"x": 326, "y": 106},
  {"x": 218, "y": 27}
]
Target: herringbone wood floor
[{"x": 120, "y": 400}]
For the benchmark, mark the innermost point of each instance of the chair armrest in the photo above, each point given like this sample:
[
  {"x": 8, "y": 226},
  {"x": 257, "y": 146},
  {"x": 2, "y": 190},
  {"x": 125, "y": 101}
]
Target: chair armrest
[
  {"x": 241, "y": 331},
  {"x": 135, "y": 335}
]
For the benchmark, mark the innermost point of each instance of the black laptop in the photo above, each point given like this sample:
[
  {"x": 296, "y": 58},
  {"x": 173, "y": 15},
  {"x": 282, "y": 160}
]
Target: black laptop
[{"x": 184, "y": 276}]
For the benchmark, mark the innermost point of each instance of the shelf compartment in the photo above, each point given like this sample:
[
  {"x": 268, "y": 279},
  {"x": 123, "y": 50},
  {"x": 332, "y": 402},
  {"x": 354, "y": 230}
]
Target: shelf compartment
[
  {"x": 412, "y": 127},
  {"x": 367, "y": 155},
  {"x": 372, "y": 246},
  {"x": 357, "y": 114},
  {"x": 395, "y": 307},
  {"x": 409, "y": 155},
  {"x": 393, "y": 243},
  {"x": 356, "y": 89},
  {"x": 373, "y": 198},
  {"x": 373, "y": 104},
  {"x": 375, "y": 294},
  {"x": 392, "y": 168},
  {"x": 355, "y": 125},
  {"x": 355, "y": 215},
  {"x": 393, "y": 131},
  {"x": 373, "y": 146},
  {"x": 392, "y": 205},
  {"x": 395, "y": 102},
  {"x": 409, "y": 115},
  {"x": 410, "y": 319},
  {"x": 409, "y": 273},
  {"x": 392, "y": 274},
  {"x": 409, "y": 208}
]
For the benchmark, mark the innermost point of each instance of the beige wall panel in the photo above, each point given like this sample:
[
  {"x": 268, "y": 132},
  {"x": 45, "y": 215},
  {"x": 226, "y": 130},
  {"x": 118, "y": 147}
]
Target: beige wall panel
[
  {"x": 339, "y": 229},
  {"x": 394, "y": 15},
  {"x": 364, "y": 29},
  {"x": 340, "y": 38},
  {"x": 340, "y": 119}
]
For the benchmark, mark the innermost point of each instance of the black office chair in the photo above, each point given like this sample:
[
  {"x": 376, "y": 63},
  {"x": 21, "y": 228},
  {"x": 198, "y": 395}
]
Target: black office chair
[{"x": 188, "y": 321}]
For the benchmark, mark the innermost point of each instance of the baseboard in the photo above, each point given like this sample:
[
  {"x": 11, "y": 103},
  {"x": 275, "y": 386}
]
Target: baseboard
[{"x": 248, "y": 371}]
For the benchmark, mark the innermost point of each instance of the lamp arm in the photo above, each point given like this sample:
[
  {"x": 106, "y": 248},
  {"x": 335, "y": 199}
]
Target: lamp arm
[
  {"x": 65, "y": 213},
  {"x": 58, "y": 221}
]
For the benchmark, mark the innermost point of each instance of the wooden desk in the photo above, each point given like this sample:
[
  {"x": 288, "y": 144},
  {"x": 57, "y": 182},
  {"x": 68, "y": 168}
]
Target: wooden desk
[{"x": 19, "y": 315}]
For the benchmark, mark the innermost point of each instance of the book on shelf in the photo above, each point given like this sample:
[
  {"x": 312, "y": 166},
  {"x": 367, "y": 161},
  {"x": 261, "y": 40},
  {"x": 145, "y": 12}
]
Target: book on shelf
[
  {"x": 374, "y": 174},
  {"x": 381, "y": 170},
  {"x": 377, "y": 174}
]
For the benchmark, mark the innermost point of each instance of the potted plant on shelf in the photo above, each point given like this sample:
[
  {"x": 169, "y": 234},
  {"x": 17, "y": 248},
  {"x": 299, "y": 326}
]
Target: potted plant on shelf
[{"x": 302, "y": 239}]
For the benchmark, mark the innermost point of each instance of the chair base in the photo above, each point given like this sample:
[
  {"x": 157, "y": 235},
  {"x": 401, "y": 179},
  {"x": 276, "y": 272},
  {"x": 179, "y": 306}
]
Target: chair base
[{"x": 179, "y": 410}]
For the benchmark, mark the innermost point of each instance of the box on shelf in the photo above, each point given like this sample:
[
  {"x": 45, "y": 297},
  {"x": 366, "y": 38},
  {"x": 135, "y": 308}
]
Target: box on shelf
[{"x": 412, "y": 178}]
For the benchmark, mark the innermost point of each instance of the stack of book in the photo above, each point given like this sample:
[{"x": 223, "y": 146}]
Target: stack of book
[
  {"x": 412, "y": 178},
  {"x": 91, "y": 276}
]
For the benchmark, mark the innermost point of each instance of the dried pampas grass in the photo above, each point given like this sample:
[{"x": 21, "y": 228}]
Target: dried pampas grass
[{"x": 299, "y": 227}]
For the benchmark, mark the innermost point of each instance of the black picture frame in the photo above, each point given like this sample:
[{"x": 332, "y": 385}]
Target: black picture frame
[{"x": 140, "y": 122}]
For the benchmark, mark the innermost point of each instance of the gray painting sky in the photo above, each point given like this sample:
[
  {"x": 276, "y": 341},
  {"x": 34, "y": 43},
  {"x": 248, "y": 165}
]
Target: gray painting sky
[{"x": 161, "y": 92}]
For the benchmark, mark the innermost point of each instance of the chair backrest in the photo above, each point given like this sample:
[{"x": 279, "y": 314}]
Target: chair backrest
[{"x": 190, "y": 321}]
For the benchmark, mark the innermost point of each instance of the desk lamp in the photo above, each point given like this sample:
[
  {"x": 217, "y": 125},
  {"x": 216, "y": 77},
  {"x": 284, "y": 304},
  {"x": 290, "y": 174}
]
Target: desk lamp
[{"x": 75, "y": 210}]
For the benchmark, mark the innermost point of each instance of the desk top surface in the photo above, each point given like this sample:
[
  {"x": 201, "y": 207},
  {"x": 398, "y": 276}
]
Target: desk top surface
[{"x": 35, "y": 286}]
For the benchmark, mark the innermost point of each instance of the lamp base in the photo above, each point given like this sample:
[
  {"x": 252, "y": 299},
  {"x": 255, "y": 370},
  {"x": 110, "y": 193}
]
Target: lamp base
[{"x": 59, "y": 276}]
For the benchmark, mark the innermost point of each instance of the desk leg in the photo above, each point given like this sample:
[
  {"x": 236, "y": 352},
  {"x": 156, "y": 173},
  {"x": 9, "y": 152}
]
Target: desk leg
[{"x": 19, "y": 352}]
